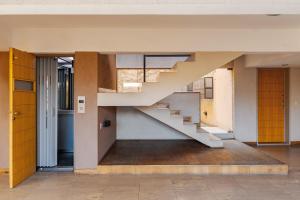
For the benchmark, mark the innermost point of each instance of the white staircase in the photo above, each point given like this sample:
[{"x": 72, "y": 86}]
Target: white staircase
[
  {"x": 183, "y": 73},
  {"x": 217, "y": 131},
  {"x": 175, "y": 120},
  {"x": 199, "y": 65}
]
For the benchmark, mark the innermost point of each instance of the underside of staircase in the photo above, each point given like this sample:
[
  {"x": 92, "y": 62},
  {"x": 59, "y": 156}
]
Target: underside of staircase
[{"x": 182, "y": 74}]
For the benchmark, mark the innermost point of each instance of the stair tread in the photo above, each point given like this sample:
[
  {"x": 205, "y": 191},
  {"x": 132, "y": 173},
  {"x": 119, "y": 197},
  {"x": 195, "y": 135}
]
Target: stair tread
[
  {"x": 187, "y": 119},
  {"x": 189, "y": 129},
  {"x": 189, "y": 123}
]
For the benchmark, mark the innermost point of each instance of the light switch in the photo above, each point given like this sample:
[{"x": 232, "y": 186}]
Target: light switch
[{"x": 81, "y": 104}]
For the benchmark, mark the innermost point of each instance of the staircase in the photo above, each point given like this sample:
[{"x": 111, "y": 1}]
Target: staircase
[
  {"x": 183, "y": 73},
  {"x": 200, "y": 64},
  {"x": 175, "y": 120},
  {"x": 218, "y": 132}
]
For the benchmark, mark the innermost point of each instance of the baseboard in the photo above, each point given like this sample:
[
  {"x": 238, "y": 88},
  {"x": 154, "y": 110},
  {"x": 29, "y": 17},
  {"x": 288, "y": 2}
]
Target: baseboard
[
  {"x": 255, "y": 144},
  {"x": 251, "y": 143},
  {"x": 295, "y": 143},
  {"x": 3, "y": 171}
]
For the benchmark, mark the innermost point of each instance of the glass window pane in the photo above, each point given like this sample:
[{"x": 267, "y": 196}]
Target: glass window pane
[
  {"x": 208, "y": 93},
  {"x": 208, "y": 82},
  {"x": 128, "y": 79},
  {"x": 23, "y": 85}
]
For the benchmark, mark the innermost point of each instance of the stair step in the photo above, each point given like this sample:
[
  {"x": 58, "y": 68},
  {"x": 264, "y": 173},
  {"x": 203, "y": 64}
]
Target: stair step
[
  {"x": 175, "y": 112},
  {"x": 188, "y": 123},
  {"x": 224, "y": 136},
  {"x": 161, "y": 105},
  {"x": 176, "y": 122},
  {"x": 187, "y": 119},
  {"x": 172, "y": 70}
]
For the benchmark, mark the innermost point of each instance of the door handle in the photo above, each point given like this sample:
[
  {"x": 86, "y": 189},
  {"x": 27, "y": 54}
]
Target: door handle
[{"x": 16, "y": 113}]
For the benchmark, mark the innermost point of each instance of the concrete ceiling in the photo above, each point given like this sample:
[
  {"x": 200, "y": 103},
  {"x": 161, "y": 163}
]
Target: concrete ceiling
[
  {"x": 152, "y": 21},
  {"x": 142, "y": 7},
  {"x": 273, "y": 60}
]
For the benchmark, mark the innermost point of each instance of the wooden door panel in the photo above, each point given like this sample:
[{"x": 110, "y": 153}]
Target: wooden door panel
[
  {"x": 24, "y": 98},
  {"x": 22, "y": 116},
  {"x": 271, "y": 84},
  {"x": 24, "y": 73},
  {"x": 22, "y": 58}
]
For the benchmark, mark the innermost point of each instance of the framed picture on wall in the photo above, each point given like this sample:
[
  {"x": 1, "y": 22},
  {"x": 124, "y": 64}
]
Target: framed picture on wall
[{"x": 208, "y": 87}]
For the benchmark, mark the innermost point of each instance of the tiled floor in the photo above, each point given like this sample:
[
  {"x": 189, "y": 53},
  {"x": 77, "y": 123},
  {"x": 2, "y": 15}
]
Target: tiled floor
[
  {"x": 53, "y": 186},
  {"x": 183, "y": 152}
]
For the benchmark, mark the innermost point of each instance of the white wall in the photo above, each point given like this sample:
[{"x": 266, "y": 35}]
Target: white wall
[
  {"x": 224, "y": 97},
  {"x": 135, "y": 125},
  {"x": 245, "y": 100},
  {"x": 219, "y": 109},
  {"x": 294, "y": 103}
]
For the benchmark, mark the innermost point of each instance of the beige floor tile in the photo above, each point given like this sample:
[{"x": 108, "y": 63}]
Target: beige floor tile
[{"x": 68, "y": 186}]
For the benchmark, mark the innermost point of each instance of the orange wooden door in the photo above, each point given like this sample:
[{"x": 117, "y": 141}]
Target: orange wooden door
[
  {"x": 22, "y": 81},
  {"x": 271, "y": 100}
]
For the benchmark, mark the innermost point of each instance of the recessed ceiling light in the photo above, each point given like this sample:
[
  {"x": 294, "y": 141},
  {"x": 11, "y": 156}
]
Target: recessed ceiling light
[{"x": 273, "y": 15}]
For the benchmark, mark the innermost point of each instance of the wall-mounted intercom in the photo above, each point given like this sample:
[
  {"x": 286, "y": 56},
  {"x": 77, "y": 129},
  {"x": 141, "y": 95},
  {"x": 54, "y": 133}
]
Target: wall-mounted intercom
[{"x": 81, "y": 104}]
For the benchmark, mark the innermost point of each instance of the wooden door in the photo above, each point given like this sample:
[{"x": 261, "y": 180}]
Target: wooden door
[
  {"x": 22, "y": 82},
  {"x": 271, "y": 105}
]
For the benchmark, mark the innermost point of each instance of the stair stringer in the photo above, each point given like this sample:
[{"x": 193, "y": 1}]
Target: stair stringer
[
  {"x": 176, "y": 122},
  {"x": 168, "y": 83}
]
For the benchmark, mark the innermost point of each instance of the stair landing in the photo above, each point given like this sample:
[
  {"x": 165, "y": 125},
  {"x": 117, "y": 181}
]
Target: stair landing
[{"x": 185, "y": 157}]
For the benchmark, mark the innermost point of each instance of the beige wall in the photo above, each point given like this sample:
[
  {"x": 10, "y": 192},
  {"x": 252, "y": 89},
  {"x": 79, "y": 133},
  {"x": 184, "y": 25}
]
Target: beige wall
[
  {"x": 86, "y": 125},
  {"x": 207, "y": 105},
  {"x": 107, "y": 135},
  {"x": 107, "y": 78},
  {"x": 45, "y": 40},
  {"x": 107, "y": 71},
  {"x": 4, "y": 109},
  {"x": 219, "y": 109}
]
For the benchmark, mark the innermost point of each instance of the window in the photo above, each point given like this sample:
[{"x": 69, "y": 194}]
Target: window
[
  {"x": 208, "y": 87},
  {"x": 21, "y": 85},
  {"x": 130, "y": 80}
]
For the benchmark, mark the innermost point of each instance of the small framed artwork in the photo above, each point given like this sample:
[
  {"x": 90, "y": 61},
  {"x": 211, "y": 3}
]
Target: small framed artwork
[{"x": 208, "y": 87}]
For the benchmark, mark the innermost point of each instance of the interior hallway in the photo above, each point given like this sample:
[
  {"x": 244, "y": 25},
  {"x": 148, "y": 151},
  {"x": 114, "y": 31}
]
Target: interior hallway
[{"x": 56, "y": 186}]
